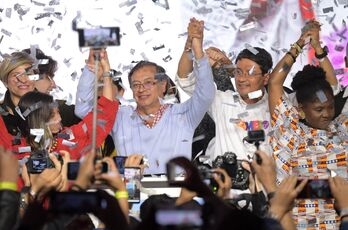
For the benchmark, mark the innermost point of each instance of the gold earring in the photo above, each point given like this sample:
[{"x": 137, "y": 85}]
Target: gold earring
[{"x": 302, "y": 115}]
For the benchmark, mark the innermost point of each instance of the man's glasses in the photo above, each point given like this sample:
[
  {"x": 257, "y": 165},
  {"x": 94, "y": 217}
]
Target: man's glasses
[
  {"x": 251, "y": 73},
  {"x": 148, "y": 84}
]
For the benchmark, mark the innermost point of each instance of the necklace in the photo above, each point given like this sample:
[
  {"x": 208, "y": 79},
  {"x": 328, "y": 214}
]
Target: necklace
[{"x": 54, "y": 145}]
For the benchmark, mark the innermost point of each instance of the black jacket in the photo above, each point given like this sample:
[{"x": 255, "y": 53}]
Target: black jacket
[{"x": 9, "y": 208}]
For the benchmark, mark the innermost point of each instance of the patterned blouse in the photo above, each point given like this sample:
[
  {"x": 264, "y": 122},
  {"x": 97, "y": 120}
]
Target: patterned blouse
[{"x": 308, "y": 152}]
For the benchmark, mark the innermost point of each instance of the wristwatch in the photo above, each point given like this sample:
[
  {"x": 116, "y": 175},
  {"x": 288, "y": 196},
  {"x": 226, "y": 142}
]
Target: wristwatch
[{"x": 324, "y": 54}]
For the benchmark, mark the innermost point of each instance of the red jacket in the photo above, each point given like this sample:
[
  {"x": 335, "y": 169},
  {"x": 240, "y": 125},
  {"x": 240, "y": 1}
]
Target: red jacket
[{"x": 79, "y": 142}]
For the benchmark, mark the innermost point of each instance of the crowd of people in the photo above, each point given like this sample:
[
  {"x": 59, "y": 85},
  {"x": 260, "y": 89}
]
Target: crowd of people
[{"x": 259, "y": 155}]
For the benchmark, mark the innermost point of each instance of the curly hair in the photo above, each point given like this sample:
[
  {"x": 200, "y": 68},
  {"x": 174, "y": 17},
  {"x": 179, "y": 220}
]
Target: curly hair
[{"x": 308, "y": 81}]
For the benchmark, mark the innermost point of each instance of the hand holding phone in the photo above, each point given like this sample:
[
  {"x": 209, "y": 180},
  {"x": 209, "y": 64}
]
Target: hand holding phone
[
  {"x": 113, "y": 178},
  {"x": 316, "y": 189},
  {"x": 75, "y": 202},
  {"x": 99, "y": 37},
  {"x": 74, "y": 167},
  {"x": 132, "y": 177}
]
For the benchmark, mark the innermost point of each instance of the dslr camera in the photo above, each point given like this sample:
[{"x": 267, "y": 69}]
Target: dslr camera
[
  {"x": 39, "y": 160},
  {"x": 233, "y": 167},
  {"x": 206, "y": 174}
]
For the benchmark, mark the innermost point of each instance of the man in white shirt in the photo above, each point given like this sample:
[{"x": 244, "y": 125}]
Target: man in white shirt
[{"x": 235, "y": 113}]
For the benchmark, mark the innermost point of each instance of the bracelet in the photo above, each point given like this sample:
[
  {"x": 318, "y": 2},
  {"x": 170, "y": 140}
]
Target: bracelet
[
  {"x": 121, "y": 194},
  {"x": 323, "y": 54},
  {"x": 344, "y": 212},
  {"x": 297, "y": 47},
  {"x": 291, "y": 55},
  {"x": 8, "y": 186},
  {"x": 78, "y": 187}
]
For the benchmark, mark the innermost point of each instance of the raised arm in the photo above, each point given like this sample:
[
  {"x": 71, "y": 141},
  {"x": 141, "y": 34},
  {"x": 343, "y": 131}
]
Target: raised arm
[
  {"x": 85, "y": 87},
  {"x": 279, "y": 73},
  {"x": 204, "y": 92},
  {"x": 321, "y": 54},
  {"x": 194, "y": 30}
]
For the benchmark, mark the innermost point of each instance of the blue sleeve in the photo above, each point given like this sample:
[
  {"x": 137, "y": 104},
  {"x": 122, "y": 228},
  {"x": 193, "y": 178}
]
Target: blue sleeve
[
  {"x": 203, "y": 94},
  {"x": 85, "y": 93}
]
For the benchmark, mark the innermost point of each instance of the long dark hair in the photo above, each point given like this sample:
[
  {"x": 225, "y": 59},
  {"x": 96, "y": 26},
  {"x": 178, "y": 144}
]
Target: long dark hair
[{"x": 37, "y": 118}]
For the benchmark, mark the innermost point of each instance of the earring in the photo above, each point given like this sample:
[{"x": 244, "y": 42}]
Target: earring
[{"x": 302, "y": 115}]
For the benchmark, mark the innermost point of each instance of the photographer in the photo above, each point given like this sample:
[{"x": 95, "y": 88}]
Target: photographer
[
  {"x": 280, "y": 198},
  {"x": 116, "y": 216},
  {"x": 154, "y": 128}
]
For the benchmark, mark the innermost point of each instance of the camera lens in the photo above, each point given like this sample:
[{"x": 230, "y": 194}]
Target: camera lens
[{"x": 230, "y": 158}]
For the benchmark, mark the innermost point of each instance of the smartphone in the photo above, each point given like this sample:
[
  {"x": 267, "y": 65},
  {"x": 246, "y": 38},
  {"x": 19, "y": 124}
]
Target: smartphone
[
  {"x": 74, "y": 166},
  {"x": 99, "y": 37},
  {"x": 132, "y": 177},
  {"x": 75, "y": 202},
  {"x": 120, "y": 162},
  {"x": 73, "y": 169},
  {"x": 179, "y": 217},
  {"x": 316, "y": 189}
]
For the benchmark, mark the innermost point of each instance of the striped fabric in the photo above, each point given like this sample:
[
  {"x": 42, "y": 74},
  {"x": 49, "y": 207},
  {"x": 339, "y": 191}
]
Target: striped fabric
[{"x": 307, "y": 152}]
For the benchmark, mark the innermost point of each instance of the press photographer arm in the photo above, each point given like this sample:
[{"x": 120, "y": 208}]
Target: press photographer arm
[
  {"x": 339, "y": 189},
  {"x": 40, "y": 184},
  {"x": 280, "y": 198},
  {"x": 114, "y": 179},
  {"x": 9, "y": 197}
]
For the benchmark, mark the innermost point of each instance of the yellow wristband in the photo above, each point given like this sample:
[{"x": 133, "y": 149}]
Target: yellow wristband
[
  {"x": 121, "y": 194},
  {"x": 8, "y": 186}
]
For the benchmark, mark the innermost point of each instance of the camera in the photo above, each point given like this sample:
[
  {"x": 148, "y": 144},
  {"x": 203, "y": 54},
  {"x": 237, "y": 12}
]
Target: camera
[
  {"x": 99, "y": 37},
  {"x": 39, "y": 160},
  {"x": 233, "y": 167},
  {"x": 207, "y": 174},
  {"x": 255, "y": 137}
]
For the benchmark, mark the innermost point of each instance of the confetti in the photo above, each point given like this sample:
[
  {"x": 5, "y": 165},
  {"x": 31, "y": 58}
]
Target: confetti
[
  {"x": 128, "y": 3},
  {"x": 131, "y": 10},
  {"x": 6, "y": 32},
  {"x": 247, "y": 26},
  {"x": 255, "y": 94},
  {"x": 139, "y": 28},
  {"x": 321, "y": 96},
  {"x": 8, "y": 12},
  {"x": 204, "y": 10},
  {"x": 327, "y": 10},
  {"x": 158, "y": 47},
  {"x": 167, "y": 58},
  {"x": 251, "y": 49}
]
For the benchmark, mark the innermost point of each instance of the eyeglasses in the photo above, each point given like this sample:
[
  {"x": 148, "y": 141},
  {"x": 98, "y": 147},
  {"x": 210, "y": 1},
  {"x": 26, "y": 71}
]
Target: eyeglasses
[
  {"x": 147, "y": 85},
  {"x": 250, "y": 73}
]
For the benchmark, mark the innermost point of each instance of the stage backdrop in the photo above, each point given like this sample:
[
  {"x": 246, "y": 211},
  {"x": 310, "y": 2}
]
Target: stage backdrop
[{"x": 156, "y": 30}]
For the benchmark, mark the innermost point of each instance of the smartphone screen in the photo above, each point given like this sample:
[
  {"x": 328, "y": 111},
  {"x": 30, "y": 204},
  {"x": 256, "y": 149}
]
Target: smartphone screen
[
  {"x": 99, "y": 37},
  {"x": 73, "y": 169},
  {"x": 74, "y": 202},
  {"x": 316, "y": 189},
  {"x": 120, "y": 162},
  {"x": 132, "y": 177},
  {"x": 179, "y": 217}
]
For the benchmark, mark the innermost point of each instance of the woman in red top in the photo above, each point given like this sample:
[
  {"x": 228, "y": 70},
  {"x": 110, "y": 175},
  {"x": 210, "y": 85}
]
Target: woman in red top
[{"x": 42, "y": 127}]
